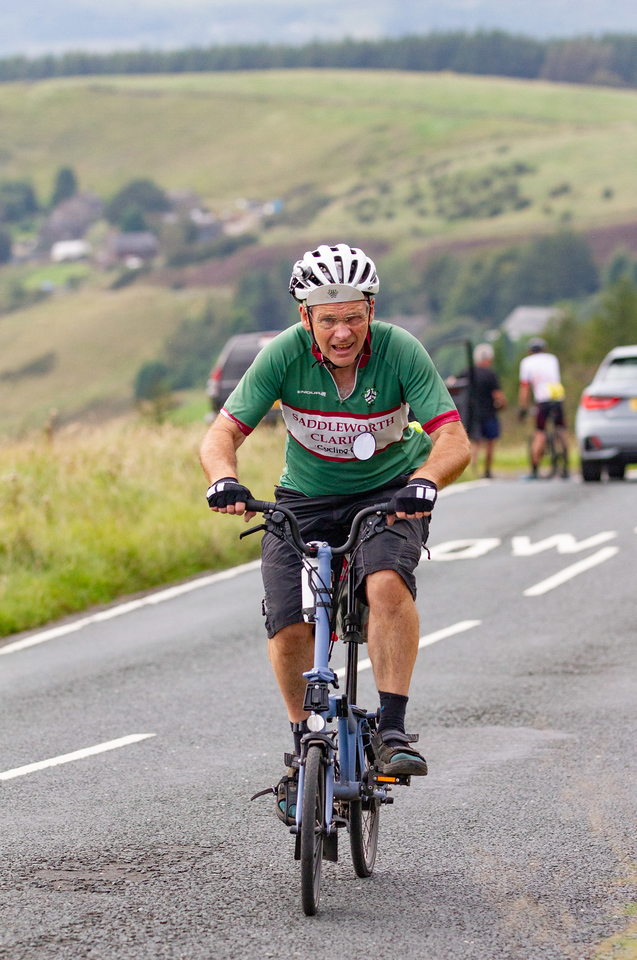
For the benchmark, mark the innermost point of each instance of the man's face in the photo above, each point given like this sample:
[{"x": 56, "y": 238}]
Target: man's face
[{"x": 340, "y": 329}]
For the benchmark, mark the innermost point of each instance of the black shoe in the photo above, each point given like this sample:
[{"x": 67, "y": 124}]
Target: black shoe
[
  {"x": 286, "y": 791},
  {"x": 398, "y": 759}
]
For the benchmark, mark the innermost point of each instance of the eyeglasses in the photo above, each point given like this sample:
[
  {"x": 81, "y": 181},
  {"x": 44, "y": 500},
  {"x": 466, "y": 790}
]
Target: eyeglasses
[{"x": 330, "y": 323}]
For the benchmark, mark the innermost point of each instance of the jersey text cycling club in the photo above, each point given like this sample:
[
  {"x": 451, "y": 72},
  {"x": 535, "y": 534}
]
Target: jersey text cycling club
[{"x": 394, "y": 373}]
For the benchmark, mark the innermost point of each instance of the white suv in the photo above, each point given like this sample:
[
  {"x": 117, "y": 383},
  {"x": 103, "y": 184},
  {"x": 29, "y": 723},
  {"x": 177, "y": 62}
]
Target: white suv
[{"x": 606, "y": 422}]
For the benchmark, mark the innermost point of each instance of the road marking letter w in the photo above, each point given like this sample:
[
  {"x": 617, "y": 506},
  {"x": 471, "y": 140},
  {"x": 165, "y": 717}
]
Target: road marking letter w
[{"x": 562, "y": 542}]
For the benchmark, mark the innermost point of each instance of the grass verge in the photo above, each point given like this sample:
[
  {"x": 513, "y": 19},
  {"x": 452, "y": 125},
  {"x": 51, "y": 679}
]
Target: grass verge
[{"x": 92, "y": 516}]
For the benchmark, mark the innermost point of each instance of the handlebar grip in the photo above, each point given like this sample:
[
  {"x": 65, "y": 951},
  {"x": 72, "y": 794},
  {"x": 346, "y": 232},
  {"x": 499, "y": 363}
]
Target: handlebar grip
[{"x": 259, "y": 506}]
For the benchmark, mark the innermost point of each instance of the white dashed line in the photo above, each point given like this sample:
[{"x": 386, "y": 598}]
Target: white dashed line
[
  {"x": 569, "y": 572},
  {"x": 76, "y": 755},
  {"x": 423, "y": 642}
]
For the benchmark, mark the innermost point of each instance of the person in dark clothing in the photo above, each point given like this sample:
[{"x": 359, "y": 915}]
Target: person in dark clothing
[{"x": 487, "y": 399}]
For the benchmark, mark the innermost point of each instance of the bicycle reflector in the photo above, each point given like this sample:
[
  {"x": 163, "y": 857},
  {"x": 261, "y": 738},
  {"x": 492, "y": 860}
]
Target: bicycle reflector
[{"x": 589, "y": 402}]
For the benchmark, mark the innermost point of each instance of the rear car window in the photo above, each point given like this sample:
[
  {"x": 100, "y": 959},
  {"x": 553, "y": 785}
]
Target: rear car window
[
  {"x": 239, "y": 360},
  {"x": 622, "y": 368}
]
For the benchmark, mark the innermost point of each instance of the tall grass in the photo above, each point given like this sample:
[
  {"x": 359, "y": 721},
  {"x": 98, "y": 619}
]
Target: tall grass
[{"x": 93, "y": 515}]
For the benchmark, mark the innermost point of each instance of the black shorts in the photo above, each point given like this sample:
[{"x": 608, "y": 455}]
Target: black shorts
[
  {"x": 329, "y": 518},
  {"x": 550, "y": 409},
  {"x": 487, "y": 428}
]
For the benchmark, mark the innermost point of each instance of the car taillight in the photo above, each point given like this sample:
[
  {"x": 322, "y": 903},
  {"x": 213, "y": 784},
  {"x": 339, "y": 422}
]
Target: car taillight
[
  {"x": 214, "y": 381},
  {"x": 590, "y": 402}
]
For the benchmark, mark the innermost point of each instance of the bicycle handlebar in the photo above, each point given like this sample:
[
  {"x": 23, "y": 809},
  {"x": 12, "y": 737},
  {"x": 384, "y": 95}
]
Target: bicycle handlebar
[{"x": 263, "y": 506}]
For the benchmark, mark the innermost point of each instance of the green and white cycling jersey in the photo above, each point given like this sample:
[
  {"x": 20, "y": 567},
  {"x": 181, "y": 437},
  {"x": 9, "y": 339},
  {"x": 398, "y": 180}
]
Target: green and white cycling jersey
[{"x": 394, "y": 373}]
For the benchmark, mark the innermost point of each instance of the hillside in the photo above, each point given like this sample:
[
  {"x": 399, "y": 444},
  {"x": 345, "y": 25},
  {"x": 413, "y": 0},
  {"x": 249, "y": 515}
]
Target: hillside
[
  {"x": 89, "y": 346},
  {"x": 382, "y": 154},
  {"x": 400, "y": 162}
]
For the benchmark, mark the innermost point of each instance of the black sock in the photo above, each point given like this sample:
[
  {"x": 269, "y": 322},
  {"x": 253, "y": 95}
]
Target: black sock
[
  {"x": 392, "y": 711},
  {"x": 298, "y": 730}
]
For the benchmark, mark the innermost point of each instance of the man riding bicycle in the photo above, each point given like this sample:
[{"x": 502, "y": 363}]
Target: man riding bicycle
[
  {"x": 540, "y": 371},
  {"x": 340, "y": 375}
]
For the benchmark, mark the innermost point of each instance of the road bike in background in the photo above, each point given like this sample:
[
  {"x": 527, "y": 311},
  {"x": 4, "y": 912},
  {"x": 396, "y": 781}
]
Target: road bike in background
[{"x": 554, "y": 462}]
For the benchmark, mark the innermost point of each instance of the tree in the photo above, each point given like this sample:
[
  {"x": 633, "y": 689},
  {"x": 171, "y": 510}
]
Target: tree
[
  {"x": 17, "y": 201},
  {"x": 551, "y": 268},
  {"x": 580, "y": 61},
  {"x": 133, "y": 220},
  {"x": 615, "y": 324},
  {"x": 65, "y": 185},
  {"x": 152, "y": 381},
  {"x": 139, "y": 193},
  {"x": 5, "y": 246},
  {"x": 262, "y": 301}
]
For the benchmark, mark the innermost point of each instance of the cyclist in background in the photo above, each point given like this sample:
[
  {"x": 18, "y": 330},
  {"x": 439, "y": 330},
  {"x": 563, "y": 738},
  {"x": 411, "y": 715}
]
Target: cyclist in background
[
  {"x": 487, "y": 398},
  {"x": 341, "y": 375},
  {"x": 540, "y": 371}
]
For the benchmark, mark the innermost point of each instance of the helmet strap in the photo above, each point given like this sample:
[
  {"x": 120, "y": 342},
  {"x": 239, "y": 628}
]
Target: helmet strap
[{"x": 316, "y": 350}]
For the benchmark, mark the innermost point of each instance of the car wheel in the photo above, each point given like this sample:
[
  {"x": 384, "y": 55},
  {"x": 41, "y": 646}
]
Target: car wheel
[
  {"x": 616, "y": 471},
  {"x": 591, "y": 470}
]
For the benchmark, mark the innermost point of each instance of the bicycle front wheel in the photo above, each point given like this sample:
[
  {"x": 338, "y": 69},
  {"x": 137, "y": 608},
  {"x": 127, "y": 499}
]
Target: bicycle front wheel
[
  {"x": 312, "y": 829},
  {"x": 364, "y": 821}
]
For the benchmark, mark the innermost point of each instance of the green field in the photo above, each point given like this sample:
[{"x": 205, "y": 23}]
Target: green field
[
  {"x": 340, "y": 136},
  {"x": 96, "y": 340}
]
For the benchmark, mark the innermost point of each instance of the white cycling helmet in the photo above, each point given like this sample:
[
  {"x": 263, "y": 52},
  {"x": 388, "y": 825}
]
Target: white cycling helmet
[{"x": 333, "y": 275}]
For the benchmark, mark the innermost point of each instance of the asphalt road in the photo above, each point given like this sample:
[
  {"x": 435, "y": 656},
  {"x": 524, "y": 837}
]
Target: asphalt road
[{"x": 521, "y": 843}]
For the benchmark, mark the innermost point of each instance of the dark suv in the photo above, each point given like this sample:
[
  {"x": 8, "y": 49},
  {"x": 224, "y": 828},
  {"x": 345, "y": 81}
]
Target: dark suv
[{"x": 234, "y": 360}]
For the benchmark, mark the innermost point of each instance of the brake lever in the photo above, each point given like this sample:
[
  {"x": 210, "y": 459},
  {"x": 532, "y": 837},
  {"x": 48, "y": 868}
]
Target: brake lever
[
  {"x": 246, "y": 533},
  {"x": 274, "y": 523}
]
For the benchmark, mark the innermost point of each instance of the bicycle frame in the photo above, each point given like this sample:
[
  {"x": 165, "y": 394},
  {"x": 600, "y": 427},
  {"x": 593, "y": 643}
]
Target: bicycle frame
[
  {"x": 352, "y": 721},
  {"x": 349, "y": 725}
]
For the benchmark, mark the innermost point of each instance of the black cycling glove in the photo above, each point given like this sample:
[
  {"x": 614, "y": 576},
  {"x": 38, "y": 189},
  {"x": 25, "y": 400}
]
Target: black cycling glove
[
  {"x": 419, "y": 496},
  {"x": 227, "y": 491}
]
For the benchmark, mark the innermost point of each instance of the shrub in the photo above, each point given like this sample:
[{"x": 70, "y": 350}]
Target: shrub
[
  {"x": 17, "y": 201},
  {"x": 65, "y": 185},
  {"x": 5, "y": 246},
  {"x": 144, "y": 194}
]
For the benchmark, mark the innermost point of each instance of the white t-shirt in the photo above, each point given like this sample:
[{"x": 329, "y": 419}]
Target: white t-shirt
[{"x": 542, "y": 371}]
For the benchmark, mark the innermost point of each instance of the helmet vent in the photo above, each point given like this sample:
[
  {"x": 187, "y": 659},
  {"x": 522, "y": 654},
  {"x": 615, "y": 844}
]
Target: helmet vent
[
  {"x": 365, "y": 273},
  {"x": 339, "y": 268}
]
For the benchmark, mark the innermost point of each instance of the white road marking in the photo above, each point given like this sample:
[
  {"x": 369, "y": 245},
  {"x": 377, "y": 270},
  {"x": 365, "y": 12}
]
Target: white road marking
[
  {"x": 425, "y": 641},
  {"x": 469, "y": 549},
  {"x": 463, "y": 487},
  {"x": 123, "y": 608},
  {"x": 563, "y": 542},
  {"x": 76, "y": 755},
  {"x": 569, "y": 572}
]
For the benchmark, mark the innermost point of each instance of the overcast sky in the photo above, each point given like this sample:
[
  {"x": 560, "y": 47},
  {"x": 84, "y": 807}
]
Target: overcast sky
[{"x": 36, "y": 26}]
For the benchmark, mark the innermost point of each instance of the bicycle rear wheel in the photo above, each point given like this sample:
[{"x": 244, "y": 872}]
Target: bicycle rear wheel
[{"x": 312, "y": 829}]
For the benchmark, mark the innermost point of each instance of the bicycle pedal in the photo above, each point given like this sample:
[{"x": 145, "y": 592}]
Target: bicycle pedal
[{"x": 399, "y": 781}]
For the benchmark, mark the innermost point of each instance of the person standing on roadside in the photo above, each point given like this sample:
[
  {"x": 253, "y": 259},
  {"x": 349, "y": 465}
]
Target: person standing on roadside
[{"x": 486, "y": 399}]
